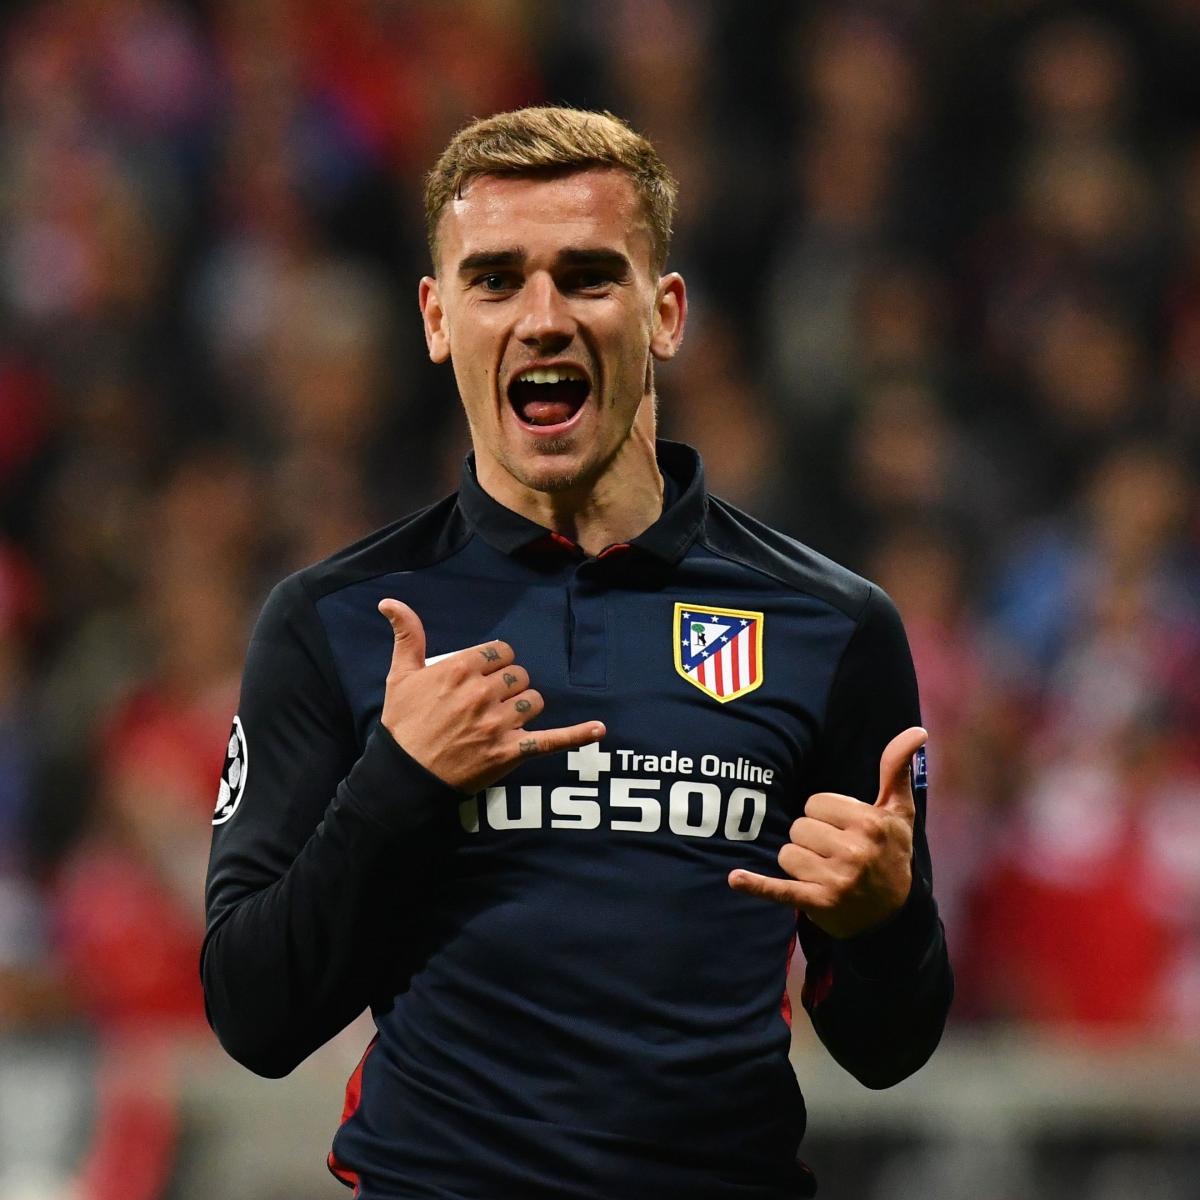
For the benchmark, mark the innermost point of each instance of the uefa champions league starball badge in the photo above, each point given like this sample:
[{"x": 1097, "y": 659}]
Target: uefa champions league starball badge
[{"x": 233, "y": 777}]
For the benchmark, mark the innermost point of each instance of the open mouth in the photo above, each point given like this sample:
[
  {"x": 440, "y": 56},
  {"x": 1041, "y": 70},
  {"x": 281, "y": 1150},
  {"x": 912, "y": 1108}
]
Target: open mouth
[{"x": 546, "y": 397}]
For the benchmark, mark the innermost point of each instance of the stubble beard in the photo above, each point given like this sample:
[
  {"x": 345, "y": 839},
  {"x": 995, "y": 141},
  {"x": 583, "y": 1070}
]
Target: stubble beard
[
  {"x": 568, "y": 479},
  {"x": 578, "y": 476},
  {"x": 565, "y": 480}
]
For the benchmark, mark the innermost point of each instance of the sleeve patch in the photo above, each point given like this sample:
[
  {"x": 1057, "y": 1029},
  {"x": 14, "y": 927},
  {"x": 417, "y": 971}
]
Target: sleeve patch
[
  {"x": 920, "y": 771},
  {"x": 233, "y": 776}
]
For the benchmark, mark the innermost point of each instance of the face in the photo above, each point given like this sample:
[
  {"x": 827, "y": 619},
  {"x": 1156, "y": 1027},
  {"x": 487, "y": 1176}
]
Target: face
[{"x": 548, "y": 307}]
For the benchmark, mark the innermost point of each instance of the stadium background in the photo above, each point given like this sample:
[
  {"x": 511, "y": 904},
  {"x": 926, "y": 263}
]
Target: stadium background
[{"x": 944, "y": 261}]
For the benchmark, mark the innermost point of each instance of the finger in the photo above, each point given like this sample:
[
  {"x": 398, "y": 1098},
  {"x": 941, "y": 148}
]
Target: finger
[
  {"x": 491, "y": 656},
  {"x": 529, "y": 743},
  {"x": 511, "y": 681},
  {"x": 781, "y": 891},
  {"x": 526, "y": 706},
  {"x": 408, "y": 649},
  {"x": 805, "y": 865},
  {"x": 818, "y": 836},
  {"x": 486, "y": 658},
  {"x": 834, "y": 809},
  {"x": 895, "y": 769}
]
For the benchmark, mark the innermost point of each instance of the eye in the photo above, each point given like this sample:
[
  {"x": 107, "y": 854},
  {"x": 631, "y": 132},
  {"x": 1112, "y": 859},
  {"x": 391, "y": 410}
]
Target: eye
[
  {"x": 590, "y": 280},
  {"x": 496, "y": 283}
]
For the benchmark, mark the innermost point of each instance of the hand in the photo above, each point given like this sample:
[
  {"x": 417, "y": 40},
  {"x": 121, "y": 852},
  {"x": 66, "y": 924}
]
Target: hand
[
  {"x": 463, "y": 717},
  {"x": 850, "y": 863}
]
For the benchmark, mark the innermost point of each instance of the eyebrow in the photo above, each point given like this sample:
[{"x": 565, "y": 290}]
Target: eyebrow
[
  {"x": 572, "y": 256},
  {"x": 483, "y": 259},
  {"x": 586, "y": 256}
]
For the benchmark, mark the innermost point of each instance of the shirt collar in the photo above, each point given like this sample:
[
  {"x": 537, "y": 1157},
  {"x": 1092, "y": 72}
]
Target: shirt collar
[{"x": 684, "y": 505}]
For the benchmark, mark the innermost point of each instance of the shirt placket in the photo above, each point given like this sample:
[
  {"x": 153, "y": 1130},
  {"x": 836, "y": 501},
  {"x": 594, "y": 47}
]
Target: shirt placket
[{"x": 587, "y": 619}]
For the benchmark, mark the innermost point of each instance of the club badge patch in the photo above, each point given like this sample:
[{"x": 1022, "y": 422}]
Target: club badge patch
[
  {"x": 233, "y": 777},
  {"x": 719, "y": 650}
]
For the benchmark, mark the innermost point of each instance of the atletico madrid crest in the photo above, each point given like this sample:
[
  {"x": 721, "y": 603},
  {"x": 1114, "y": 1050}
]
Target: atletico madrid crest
[{"x": 719, "y": 649}]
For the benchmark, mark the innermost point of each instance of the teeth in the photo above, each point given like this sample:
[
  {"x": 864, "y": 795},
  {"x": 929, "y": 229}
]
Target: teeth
[{"x": 550, "y": 375}]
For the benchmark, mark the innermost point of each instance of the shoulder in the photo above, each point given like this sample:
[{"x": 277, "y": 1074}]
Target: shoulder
[
  {"x": 737, "y": 536},
  {"x": 419, "y": 540}
]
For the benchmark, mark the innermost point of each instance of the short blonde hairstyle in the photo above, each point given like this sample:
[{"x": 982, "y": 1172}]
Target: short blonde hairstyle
[{"x": 553, "y": 138}]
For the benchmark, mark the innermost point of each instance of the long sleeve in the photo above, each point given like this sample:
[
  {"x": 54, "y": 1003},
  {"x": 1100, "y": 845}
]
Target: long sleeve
[
  {"x": 878, "y": 1001},
  {"x": 319, "y": 855}
]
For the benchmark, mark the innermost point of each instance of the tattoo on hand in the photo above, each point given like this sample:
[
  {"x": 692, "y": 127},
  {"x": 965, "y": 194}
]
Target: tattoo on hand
[
  {"x": 528, "y": 746},
  {"x": 522, "y": 706},
  {"x": 490, "y": 653},
  {"x": 509, "y": 679}
]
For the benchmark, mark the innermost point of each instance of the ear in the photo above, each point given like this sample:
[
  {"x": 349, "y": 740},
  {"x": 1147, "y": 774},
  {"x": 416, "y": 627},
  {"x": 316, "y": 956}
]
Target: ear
[
  {"x": 437, "y": 330},
  {"x": 670, "y": 316}
]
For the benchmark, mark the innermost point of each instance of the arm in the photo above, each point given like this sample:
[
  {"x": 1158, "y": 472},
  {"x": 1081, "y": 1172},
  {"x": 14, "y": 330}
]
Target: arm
[
  {"x": 878, "y": 983},
  {"x": 318, "y": 877},
  {"x": 320, "y": 845},
  {"x": 878, "y": 1000}
]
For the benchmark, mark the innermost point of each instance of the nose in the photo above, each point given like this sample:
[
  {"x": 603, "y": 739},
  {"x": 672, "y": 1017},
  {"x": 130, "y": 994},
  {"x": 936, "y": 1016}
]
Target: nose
[{"x": 544, "y": 323}]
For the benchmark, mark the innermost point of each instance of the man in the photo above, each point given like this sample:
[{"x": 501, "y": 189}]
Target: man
[{"x": 563, "y": 926}]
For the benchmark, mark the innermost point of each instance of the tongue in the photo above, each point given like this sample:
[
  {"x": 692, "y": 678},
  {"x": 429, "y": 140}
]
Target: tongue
[
  {"x": 548, "y": 403},
  {"x": 547, "y": 412}
]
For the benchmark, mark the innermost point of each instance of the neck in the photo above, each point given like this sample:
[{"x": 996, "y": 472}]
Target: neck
[{"x": 623, "y": 501}]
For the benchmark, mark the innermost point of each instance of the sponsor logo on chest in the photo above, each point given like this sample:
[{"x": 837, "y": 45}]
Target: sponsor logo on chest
[{"x": 632, "y": 792}]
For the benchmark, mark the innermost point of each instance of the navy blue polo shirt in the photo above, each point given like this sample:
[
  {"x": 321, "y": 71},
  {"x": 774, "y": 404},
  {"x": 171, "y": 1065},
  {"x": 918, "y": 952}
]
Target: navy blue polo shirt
[{"x": 571, "y": 1002}]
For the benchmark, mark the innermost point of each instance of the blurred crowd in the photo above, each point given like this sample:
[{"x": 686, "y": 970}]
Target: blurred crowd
[{"x": 944, "y": 262}]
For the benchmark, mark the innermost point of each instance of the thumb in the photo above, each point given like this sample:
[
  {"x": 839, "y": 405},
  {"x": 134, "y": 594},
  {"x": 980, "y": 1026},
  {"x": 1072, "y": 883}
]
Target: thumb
[
  {"x": 408, "y": 653},
  {"x": 895, "y": 779}
]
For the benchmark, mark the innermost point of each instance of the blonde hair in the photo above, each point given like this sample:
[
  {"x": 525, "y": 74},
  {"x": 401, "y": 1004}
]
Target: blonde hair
[{"x": 552, "y": 138}]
